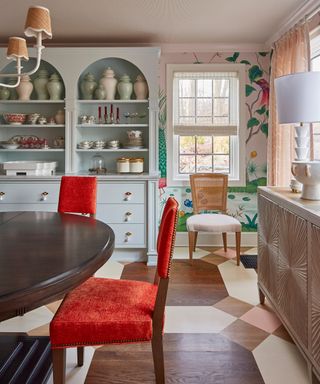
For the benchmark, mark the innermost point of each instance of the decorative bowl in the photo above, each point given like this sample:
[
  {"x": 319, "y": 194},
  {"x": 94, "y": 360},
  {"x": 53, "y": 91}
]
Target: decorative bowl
[
  {"x": 9, "y": 145},
  {"x": 14, "y": 118}
]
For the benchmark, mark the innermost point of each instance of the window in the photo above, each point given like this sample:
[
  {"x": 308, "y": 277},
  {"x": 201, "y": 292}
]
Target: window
[
  {"x": 205, "y": 111},
  {"x": 315, "y": 66}
]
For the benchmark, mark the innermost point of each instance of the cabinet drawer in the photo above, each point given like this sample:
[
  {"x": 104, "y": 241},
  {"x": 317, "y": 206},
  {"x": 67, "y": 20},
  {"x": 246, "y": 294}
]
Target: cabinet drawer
[
  {"x": 29, "y": 193},
  {"x": 121, "y": 213},
  {"x": 129, "y": 235},
  {"x": 124, "y": 193},
  {"x": 28, "y": 207}
]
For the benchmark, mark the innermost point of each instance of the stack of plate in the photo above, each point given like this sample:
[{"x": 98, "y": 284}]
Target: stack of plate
[
  {"x": 113, "y": 144},
  {"x": 99, "y": 144},
  {"x": 134, "y": 143}
]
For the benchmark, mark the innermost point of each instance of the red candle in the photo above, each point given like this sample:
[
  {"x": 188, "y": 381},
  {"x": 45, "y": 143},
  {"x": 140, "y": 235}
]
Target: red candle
[
  {"x": 111, "y": 110},
  {"x": 118, "y": 116},
  {"x": 105, "y": 111},
  {"x": 99, "y": 109}
]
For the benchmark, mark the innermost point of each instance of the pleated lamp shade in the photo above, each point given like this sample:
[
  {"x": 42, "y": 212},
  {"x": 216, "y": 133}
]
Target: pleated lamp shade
[
  {"x": 17, "y": 47},
  {"x": 38, "y": 20}
]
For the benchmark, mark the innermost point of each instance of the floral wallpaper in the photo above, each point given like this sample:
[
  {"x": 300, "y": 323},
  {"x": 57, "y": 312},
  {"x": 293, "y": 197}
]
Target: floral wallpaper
[{"x": 242, "y": 201}]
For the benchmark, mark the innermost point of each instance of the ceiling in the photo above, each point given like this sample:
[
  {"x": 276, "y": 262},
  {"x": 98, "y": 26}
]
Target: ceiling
[{"x": 154, "y": 21}]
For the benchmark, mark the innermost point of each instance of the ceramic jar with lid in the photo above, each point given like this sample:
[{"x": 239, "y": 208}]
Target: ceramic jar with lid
[
  {"x": 140, "y": 88},
  {"x": 24, "y": 89},
  {"x": 55, "y": 87},
  {"x": 109, "y": 82},
  {"x": 4, "y": 93},
  {"x": 40, "y": 85},
  {"x": 13, "y": 91},
  {"x": 123, "y": 165},
  {"x": 87, "y": 86},
  {"x": 125, "y": 88},
  {"x": 136, "y": 165},
  {"x": 100, "y": 93}
]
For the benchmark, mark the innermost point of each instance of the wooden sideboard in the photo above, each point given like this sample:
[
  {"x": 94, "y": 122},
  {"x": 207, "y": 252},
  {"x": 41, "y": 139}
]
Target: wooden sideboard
[{"x": 289, "y": 266}]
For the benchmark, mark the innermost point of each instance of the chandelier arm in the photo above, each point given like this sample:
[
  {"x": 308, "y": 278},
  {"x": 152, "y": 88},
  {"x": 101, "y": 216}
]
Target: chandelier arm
[
  {"x": 18, "y": 75},
  {"x": 39, "y": 47}
]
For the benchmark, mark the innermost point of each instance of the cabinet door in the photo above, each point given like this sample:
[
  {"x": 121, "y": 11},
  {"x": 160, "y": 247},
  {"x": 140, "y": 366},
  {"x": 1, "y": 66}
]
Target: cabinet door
[
  {"x": 315, "y": 294},
  {"x": 292, "y": 273},
  {"x": 268, "y": 238}
]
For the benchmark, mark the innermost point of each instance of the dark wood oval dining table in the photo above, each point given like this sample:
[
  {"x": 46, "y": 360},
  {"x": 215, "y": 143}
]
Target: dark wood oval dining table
[{"x": 44, "y": 255}]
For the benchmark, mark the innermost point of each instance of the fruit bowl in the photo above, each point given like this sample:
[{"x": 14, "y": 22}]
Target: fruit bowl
[{"x": 14, "y": 118}]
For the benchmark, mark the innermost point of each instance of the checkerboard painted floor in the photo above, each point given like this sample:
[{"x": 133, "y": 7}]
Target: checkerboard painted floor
[{"x": 215, "y": 330}]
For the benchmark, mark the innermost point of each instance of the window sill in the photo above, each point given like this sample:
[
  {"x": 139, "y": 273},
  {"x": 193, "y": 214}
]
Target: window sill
[{"x": 186, "y": 183}]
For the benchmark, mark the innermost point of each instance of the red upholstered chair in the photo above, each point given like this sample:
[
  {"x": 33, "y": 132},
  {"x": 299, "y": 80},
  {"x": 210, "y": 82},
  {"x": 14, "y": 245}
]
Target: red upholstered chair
[
  {"x": 105, "y": 311},
  {"x": 78, "y": 194}
]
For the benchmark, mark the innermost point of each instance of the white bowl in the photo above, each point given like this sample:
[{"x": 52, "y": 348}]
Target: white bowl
[{"x": 9, "y": 146}]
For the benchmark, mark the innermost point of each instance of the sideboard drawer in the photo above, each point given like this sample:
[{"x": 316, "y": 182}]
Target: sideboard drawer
[
  {"x": 129, "y": 235},
  {"x": 16, "y": 193},
  {"x": 28, "y": 207},
  {"x": 124, "y": 193},
  {"x": 121, "y": 213}
]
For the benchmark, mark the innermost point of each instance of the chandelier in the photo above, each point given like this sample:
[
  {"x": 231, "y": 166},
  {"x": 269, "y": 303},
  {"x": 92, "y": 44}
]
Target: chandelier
[{"x": 38, "y": 25}]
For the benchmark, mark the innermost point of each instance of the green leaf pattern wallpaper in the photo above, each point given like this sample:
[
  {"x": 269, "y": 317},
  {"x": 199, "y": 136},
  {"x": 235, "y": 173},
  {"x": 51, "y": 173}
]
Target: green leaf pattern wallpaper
[{"x": 242, "y": 201}]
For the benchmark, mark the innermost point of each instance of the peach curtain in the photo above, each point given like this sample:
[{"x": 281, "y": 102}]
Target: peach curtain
[{"x": 291, "y": 54}]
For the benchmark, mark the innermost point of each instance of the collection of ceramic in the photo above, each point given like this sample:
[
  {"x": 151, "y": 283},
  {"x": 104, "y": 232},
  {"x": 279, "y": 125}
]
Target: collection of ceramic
[
  {"x": 34, "y": 118},
  {"x": 45, "y": 86},
  {"x": 135, "y": 141},
  {"x": 109, "y": 86},
  {"x": 32, "y": 142}
]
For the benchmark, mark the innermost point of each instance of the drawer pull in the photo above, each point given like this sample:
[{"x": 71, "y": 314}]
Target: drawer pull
[
  {"x": 44, "y": 196},
  {"x": 128, "y": 216},
  {"x": 2, "y": 195},
  {"x": 128, "y": 235},
  {"x": 127, "y": 196}
]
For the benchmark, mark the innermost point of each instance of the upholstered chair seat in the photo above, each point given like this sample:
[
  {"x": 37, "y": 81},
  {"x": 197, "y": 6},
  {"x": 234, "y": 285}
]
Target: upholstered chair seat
[
  {"x": 207, "y": 222},
  {"x": 103, "y": 311}
]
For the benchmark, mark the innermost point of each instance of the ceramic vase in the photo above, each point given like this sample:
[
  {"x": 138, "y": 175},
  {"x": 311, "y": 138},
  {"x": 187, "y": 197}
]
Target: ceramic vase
[
  {"x": 109, "y": 83},
  {"x": 60, "y": 117},
  {"x": 100, "y": 93},
  {"x": 125, "y": 88},
  {"x": 25, "y": 88},
  {"x": 4, "y": 93},
  {"x": 140, "y": 88},
  {"x": 55, "y": 87},
  {"x": 88, "y": 86},
  {"x": 40, "y": 84}
]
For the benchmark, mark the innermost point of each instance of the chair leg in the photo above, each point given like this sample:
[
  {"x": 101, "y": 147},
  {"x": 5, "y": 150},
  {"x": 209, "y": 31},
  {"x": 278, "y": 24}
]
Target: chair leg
[
  {"x": 191, "y": 236},
  {"x": 158, "y": 360},
  {"x": 59, "y": 366},
  {"x": 195, "y": 241},
  {"x": 224, "y": 238},
  {"x": 238, "y": 242},
  {"x": 80, "y": 353}
]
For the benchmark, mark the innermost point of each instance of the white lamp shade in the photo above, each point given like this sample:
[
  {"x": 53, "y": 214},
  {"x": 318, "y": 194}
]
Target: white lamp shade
[{"x": 298, "y": 98}]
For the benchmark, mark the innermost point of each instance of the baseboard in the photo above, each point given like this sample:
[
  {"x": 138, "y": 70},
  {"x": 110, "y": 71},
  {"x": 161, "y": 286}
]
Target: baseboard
[
  {"x": 248, "y": 239},
  {"x": 129, "y": 255}
]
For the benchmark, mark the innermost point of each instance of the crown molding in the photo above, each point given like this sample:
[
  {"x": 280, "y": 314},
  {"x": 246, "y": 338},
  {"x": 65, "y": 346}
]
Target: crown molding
[
  {"x": 308, "y": 9},
  {"x": 215, "y": 47}
]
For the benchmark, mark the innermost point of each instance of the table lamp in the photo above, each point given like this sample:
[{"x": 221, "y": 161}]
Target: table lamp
[{"x": 298, "y": 101}]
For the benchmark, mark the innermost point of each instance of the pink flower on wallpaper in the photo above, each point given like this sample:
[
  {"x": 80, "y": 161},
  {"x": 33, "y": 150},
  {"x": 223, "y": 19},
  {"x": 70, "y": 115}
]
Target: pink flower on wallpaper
[{"x": 264, "y": 85}]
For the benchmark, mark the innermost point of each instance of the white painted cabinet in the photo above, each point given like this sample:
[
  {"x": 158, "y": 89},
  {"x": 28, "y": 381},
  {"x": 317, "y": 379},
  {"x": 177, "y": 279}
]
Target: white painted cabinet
[{"x": 128, "y": 203}]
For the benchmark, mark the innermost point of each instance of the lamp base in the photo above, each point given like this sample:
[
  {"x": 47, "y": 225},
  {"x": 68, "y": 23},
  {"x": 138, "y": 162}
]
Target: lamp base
[{"x": 308, "y": 174}]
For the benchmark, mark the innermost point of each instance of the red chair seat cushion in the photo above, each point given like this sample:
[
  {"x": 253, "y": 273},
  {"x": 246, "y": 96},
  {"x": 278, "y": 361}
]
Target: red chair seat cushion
[{"x": 103, "y": 311}]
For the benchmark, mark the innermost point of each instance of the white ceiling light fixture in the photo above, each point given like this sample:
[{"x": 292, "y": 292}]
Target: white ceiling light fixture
[{"x": 38, "y": 25}]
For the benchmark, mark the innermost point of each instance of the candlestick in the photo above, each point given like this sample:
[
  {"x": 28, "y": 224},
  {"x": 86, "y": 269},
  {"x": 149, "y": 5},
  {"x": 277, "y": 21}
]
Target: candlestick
[
  {"x": 105, "y": 115},
  {"x": 111, "y": 108},
  {"x": 118, "y": 116},
  {"x": 99, "y": 115}
]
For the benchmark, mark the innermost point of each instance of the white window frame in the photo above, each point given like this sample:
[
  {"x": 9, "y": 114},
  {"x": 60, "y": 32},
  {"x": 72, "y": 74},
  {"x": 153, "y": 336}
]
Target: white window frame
[{"x": 237, "y": 143}]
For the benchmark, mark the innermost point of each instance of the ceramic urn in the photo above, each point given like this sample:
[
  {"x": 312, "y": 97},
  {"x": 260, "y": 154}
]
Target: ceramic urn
[
  {"x": 88, "y": 86},
  {"x": 109, "y": 83},
  {"x": 140, "y": 88},
  {"x": 25, "y": 88},
  {"x": 55, "y": 87},
  {"x": 40, "y": 85},
  {"x": 125, "y": 88}
]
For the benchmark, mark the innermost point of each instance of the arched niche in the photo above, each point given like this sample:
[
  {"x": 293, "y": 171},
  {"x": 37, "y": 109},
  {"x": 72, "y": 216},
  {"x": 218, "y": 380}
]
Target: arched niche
[
  {"x": 28, "y": 66},
  {"x": 119, "y": 66}
]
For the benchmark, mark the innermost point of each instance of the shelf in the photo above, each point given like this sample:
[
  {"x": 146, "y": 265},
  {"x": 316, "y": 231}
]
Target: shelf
[
  {"x": 113, "y": 150},
  {"x": 32, "y": 101},
  {"x": 112, "y": 125},
  {"x": 33, "y": 150},
  {"x": 31, "y": 125},
  {"x": 113, "y": 101}
]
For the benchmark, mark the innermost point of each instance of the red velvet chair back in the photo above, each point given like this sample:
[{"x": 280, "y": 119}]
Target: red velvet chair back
[
  {"x": 166, "y": 236},
  {"x": 78, "y": 194}
]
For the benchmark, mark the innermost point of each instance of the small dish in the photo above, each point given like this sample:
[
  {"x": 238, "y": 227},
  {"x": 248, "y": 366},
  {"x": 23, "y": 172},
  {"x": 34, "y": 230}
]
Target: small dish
[
  {"x": 9, "y": 145},
  {"x": 15, "y": 118}
]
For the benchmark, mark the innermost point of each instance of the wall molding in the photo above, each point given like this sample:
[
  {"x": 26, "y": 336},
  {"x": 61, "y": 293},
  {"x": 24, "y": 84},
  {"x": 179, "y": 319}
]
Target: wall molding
[{"x": 308, "y": 9}]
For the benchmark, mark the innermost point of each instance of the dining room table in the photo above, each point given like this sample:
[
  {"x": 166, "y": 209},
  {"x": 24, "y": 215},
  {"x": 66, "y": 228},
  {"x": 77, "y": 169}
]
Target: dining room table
[{"x": 43, "y": 256}]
